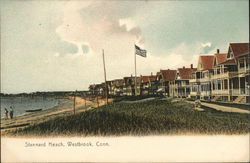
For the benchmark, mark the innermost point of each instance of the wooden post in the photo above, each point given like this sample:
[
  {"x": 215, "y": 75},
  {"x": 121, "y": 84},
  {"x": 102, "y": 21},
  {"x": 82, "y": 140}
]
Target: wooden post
[
  {"x": 74, "y": 105},
  {"x": 85, "y": 100},
  {"x": 105, "y": 77},
  {"x": 97, "y": 101},
  {"x": 228, "y": 87},
  {"x": 135, "y": 77}
]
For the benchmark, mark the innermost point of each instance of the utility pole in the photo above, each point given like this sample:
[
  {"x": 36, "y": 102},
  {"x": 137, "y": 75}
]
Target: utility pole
[
  {"x": 105, "y": 77},
  {"x": 97, "y": 101},
  {"x": 74, "y": 104},
  {"x": 135, "y": 77},
  {"x": 85, "y": 100}
]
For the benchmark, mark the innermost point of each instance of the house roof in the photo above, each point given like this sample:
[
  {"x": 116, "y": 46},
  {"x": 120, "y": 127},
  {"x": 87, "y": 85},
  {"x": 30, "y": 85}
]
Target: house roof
[
  {"x": 186, "y": 73},
  {"x": 132, "y": 79},
  {"x": 153, "y": 78},
  {"x": 168, "y": 75},
  {"x": 206, "y": 62},
  {"x": 144, "y": 79},
  {"x": 239, "y": 48},
  {"x": 92, "y": 86},
  {"x": 220, "y": 57},
  {"x": 117, "y": 82},
  {"x": 229, "y": 62}
]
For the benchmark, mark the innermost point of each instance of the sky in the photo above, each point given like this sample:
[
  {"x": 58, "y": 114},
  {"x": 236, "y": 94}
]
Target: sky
[{"x": 57, "y": 45}]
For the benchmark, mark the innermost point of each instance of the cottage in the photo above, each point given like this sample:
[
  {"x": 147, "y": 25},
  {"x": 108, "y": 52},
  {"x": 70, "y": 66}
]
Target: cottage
[
  {"x": 164, "y": 77},
  {"x": 230, "y": 79},
  {"x": 200, "y": 85},
  {"x": 180, "y": 86}
]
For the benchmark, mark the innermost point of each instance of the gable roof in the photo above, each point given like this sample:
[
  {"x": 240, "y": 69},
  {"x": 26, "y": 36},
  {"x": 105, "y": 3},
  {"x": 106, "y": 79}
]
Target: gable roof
[
  {"x": 220, "y": 57},
  {"x": 117, "y": 82},
  {"x": 144, "y": 79},
  {"x": 152, "y": 78},
  {"x": 186, "y": 73},
  {"x": 205, "y": 62},
  {"x": 229, "y": 62},
  {"x": 239, "y": 48},
  {"x": 131, "y": 80},
  {"x": 168, "y": 75}
]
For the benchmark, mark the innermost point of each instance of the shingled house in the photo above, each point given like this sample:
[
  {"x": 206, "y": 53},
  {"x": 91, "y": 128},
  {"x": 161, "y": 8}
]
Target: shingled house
[
  {"x": 129, "y": 85},
  {"x": 148, "y": 85},
  {"x": 164, "y": 77},
  {"x": 200, "y": 84},
  {"x": 180, "y": 86},
  {"x": 116, "y": 87},
  {"x": 231, "y": 77},
  {"x": 97, "y": 89}
]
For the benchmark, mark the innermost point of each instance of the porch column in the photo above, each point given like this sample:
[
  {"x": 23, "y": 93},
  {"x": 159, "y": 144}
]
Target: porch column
[
  {"x": 228, "y": 88},
  {"x": 245, "y": 64},
  {"x": 239, "y": 85},
  {"x": 185, "y": 87},
  {"x": 232, "y": 86},
  {"x": 246, "y": 86}
]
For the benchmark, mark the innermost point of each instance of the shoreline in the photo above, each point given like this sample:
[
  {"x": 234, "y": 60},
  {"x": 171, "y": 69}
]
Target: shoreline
[{"x": 63, "y": 109}]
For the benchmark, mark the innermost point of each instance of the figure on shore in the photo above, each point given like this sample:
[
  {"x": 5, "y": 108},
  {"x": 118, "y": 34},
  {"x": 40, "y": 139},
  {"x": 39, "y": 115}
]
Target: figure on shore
[
  {"x": 11, "y": 113},
  {"x": 6, "y": 113}
]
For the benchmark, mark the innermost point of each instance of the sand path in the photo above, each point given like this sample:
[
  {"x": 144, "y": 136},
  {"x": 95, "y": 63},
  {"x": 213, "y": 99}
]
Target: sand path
[{"x": 225, "y": 108}]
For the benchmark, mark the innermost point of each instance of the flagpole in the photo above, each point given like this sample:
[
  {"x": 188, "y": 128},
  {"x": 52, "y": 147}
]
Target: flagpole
[
  {"x": 105, "y": 76},
  {"x": 135, "y": 76}
]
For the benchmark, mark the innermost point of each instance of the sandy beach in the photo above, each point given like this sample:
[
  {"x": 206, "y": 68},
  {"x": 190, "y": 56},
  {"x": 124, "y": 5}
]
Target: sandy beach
[{"x": 63, "y": 109}]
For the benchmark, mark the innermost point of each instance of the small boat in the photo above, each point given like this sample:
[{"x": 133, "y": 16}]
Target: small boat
[{"x": 35, "y": 110}]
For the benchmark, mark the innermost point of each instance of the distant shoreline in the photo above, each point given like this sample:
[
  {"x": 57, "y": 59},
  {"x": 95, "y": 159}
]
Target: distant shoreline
[{"x": 62, "y": 109}]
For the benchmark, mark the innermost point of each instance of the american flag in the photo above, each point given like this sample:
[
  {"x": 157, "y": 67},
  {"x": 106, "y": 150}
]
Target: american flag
[{"x": 140, "y": 51}]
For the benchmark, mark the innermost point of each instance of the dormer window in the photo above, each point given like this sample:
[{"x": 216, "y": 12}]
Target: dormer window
[{"x": 231, "y": 55}]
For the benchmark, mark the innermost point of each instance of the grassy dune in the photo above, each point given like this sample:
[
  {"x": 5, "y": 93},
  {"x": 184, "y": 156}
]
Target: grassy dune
[{"x": 145, "y": 117}]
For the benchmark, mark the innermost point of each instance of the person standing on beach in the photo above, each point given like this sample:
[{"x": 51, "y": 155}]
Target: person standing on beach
[
  {"x": 11, "y": 113},
  {"x": 6, "y": 113}
]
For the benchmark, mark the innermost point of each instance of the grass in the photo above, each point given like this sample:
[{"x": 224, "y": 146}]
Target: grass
[{"x": 157, "y": 116}]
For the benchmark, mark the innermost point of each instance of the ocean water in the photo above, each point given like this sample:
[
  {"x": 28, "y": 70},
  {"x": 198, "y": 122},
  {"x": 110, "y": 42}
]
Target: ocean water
[{"x": 20, "y": 104}]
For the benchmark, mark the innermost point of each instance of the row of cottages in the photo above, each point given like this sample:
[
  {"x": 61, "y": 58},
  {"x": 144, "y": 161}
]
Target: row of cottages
[{"x": 223, "y": 76}]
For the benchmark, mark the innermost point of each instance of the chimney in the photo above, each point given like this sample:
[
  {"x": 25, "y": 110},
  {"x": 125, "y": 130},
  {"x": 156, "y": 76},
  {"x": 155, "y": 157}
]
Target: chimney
[
  {"x": 151, "y": 73},
  {"x": 191, "y": 66},
  {"x": 218, "y": 51},
  {"x": 183, "y": 67}
]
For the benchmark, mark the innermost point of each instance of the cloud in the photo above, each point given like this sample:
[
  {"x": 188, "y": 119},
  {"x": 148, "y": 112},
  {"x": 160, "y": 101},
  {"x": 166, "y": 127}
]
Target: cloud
[
  {"x": 98, "y": 23},
  {"x": 57, "y": 45},
  {"x": 208, "y": 44},
  {"x": 207, "y": 47},
  {"x": 85, "y": 48}
]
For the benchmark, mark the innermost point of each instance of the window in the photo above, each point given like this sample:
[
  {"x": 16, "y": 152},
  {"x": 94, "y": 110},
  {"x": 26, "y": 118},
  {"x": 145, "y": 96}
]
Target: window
[
  {"x": 241, "y": 64},
  {"x": 231, "y": 54}
]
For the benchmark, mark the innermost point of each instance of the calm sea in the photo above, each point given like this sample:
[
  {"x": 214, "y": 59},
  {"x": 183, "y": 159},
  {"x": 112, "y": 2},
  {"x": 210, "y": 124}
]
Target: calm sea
[{"x": 20, "y": 104}]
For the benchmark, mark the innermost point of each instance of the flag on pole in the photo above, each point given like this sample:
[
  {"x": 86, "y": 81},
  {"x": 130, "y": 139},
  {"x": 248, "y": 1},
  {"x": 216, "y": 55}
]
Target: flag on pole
[{"x": 140, "y": 52}]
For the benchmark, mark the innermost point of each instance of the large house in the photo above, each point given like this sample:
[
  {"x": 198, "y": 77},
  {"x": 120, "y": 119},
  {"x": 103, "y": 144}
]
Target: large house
[
  {"x": 148, "y": 85},
  {"x": 97, "y": 89},
  {"x": 200, "y": 84},
  {"x": 164, "y": 77},
  {"x": 231, "y": 77},
  {"x": 116, "y": 87},
  {"x": 129, "y": 85},
  {"x": 180, "y": 86}
]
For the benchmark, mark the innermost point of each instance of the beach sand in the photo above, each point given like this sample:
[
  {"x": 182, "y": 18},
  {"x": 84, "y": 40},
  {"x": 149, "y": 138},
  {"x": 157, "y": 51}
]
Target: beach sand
[{"x": 62, "y": 109}]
